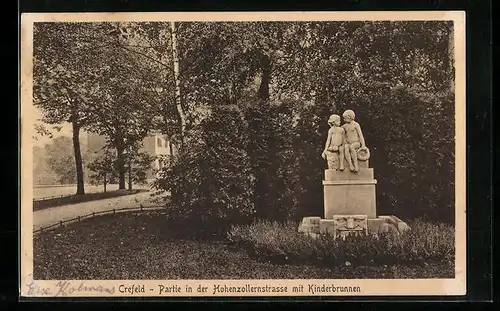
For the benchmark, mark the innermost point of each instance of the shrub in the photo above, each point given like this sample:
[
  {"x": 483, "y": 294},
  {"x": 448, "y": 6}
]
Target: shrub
[
  {"x": 210, "y": 182},
  {"x": 273, "y": 240}
]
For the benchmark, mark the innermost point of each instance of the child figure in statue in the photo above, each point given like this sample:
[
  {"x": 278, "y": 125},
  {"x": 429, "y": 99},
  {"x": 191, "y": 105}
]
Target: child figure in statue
[
  {"x": 334, "y": 149},
  {"x": 354, "y": 140}
]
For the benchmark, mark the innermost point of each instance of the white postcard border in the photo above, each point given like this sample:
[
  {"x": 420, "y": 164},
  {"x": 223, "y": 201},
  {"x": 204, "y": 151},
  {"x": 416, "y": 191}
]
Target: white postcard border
[{"x": 367, "y": 287}]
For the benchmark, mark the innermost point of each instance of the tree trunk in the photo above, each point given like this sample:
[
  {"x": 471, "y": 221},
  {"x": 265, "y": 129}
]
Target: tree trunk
[
  {"x": 258, "y": 148},
  {"x": 105, "y": 182},
  {"x": 121, "y": 169},
  {"x": 175, "y": 57},
  {"x": 129, "y": 176},
  {"x": 171, "y": 147},
  {"x": 451, "y": 60},
  {"x": 78, "y": 158},
  {"x": 265, "y": 78}
]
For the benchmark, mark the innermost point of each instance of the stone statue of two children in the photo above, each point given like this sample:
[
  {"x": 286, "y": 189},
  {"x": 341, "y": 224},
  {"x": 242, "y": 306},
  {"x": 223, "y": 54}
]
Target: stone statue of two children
[{"x": 344, "y": 142}]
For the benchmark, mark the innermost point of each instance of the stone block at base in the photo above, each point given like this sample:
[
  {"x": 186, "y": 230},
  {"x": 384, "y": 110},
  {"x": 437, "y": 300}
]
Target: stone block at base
[
  {"x": 310, "y": 225},
  {"x": 350, "y": 225},
  {"x": 374, "y": 224},
  {"x": 327, "y": 226},
  {"x": 396, "y": 222},
  {"x": 342, "y": 225},
  {"x": 387, "y": 224}
]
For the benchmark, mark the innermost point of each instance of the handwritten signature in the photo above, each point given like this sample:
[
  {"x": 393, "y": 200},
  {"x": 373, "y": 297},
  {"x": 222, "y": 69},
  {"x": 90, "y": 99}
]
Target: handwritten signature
[{"x": 65, "y": 288}]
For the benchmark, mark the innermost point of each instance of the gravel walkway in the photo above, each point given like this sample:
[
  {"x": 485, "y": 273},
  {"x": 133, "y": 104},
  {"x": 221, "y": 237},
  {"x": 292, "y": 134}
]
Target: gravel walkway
[{"x": 49, "y": 216}]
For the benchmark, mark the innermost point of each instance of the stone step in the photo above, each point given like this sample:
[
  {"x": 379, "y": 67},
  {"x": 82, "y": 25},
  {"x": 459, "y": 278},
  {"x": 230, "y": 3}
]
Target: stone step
[{"x": 364, "y": 225}]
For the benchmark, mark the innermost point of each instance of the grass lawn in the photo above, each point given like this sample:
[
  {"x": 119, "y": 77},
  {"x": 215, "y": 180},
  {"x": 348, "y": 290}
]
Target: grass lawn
[
  {"x": 79, "y": 198},
  {"x": 138, "y": 246}
]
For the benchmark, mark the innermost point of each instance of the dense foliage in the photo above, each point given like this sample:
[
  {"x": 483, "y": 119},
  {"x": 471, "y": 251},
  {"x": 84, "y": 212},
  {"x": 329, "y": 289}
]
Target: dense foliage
[
  {"x": 60, "y": 160},
  {"x": 250, "y": 122},
  {"x": 397, "y": 77},
  {"x": 211, "y": 182},
  {"x": 104, "y": 168}
]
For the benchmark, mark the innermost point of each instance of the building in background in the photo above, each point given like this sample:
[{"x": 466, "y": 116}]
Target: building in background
[
  {"x": 155, "y": 145},
  {"x": 91, "y": 146}
]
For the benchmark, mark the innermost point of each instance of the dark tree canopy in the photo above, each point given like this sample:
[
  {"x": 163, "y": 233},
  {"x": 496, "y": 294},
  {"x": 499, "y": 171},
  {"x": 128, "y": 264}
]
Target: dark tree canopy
[{"x": 255, "y": 98}]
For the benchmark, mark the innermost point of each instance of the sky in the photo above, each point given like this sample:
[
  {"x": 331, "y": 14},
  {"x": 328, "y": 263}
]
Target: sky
[{"x": 66, "y": 130}]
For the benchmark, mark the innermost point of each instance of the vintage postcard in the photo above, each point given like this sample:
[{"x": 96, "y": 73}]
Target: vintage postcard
[{"x": 243, "y": 154}]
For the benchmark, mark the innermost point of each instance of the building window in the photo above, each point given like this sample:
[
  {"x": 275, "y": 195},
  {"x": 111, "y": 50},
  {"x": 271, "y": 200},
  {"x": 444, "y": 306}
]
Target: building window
[{"x": 158, "y": 142}]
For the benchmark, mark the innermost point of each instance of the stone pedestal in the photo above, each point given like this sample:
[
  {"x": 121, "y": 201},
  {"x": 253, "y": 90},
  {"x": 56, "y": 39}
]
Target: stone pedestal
[
  {"x": 350, "y": 207},
  {"x": 344, "y": 225},
  {"x": 349, "y": 197},
  {"x": 348, "y": 193}
]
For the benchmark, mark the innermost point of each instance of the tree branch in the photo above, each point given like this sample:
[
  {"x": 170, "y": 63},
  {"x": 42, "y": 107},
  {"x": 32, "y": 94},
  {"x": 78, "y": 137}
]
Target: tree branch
[{"x": 145, "y": 55}]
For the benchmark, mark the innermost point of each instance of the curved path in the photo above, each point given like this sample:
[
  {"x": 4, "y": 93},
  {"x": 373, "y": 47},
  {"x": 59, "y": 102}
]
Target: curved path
[{"x": 49, "y": 216}]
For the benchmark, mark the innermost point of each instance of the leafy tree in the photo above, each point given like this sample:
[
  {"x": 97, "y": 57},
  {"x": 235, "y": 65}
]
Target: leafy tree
[
  {"x": 124, "y": 122},
  {"x": 60, "y": 159},
  {"x": 222, "y": 63},
  {"x": 103, "y": 169},
  {"x": 138, "y": 164},
  {"x": 93, "y": 83},
  {"x": 141, "y": 164},
  {"x": 266, "y": 89},
  {"x": 152, "y": 45},
  {"x": 41, "y": 131},
  {"x": 42, "y": 174},
  {"x": 64, "y": 77},
  {"x": 297, "y": 74},
  {"x": 127, "y": 99}
]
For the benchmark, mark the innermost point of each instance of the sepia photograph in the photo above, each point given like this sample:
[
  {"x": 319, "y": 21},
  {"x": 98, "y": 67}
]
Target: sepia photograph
[{"x": 243, "y": 154}]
